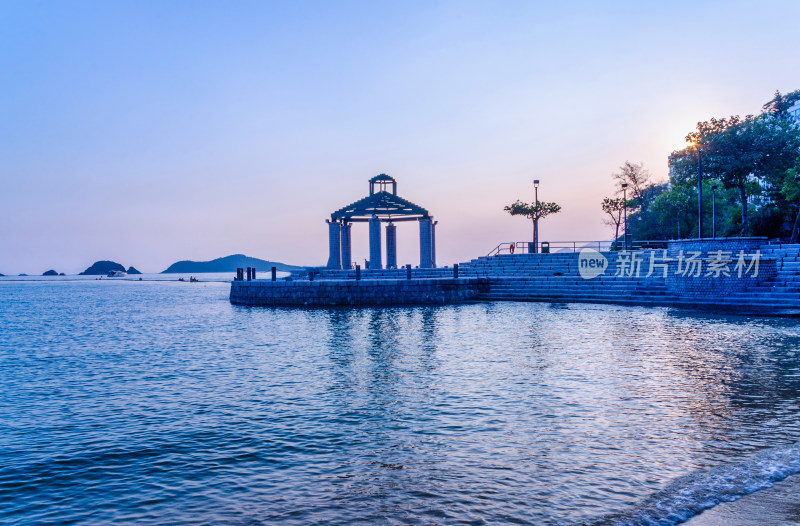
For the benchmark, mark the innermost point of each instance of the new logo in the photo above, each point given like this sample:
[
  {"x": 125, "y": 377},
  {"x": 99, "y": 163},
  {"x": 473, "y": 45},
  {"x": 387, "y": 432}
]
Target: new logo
[{"x": 591, "y": 263}]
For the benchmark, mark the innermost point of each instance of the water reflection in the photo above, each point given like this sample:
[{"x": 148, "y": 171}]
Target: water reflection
[
  {"x": 428, "y": 336},
  {"x": 492, "y": 413}
]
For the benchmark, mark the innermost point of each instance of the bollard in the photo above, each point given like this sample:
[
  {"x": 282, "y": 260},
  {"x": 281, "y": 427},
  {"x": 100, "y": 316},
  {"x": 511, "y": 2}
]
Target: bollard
[
  {"x": 358, "y": 272},
  {"x": 455, "y": 271},
  {"x": 240, "y": 274},
  {"x": 249, "y": 273},
  {"x": 274, "y": 274},
  {"x": 408, "y": 271},
  {"x": 254, "y": 272}
]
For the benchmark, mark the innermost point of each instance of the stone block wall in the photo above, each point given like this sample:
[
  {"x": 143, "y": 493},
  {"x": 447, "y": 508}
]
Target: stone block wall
[
  {"x": 723, "y": 266},
  {"x": 353, "y": 292},
  {"x": 732, "y": 244},
  {"x": 718, "y": 286}
]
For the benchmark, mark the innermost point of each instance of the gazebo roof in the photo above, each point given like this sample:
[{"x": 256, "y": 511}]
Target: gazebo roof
[
  {"x": 387, "y": 206},
  {"x": 382, "y": 177}
]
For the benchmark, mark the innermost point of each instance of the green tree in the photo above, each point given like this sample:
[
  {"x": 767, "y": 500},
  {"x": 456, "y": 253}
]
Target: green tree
[
  {"x": 791, "y": 191},
  {"x": 754, "y": 162},
  {"x": 780, "y": 104},
  {"x": 638, "y": 180},
  {"x": 670, "y": 212},
  {"x": 641, "y": 193},
  {"x": 533, "y": 211},
  {"x": 614, "y": 208},
  {"x": 746, "y": 154}
]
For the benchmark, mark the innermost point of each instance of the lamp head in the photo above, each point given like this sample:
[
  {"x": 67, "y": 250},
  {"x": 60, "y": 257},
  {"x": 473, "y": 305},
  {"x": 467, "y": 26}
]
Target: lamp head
[
  {"x": 624, "y": 185},
  {"x": 536, "y": 182},
  {"x": 714, "y": 187}
]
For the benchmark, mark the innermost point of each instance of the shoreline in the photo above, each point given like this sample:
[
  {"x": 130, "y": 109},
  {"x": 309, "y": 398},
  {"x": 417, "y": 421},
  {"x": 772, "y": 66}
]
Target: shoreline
[
  {"x": 776, "y": 505},
  {"x": 165, "y": 280}
]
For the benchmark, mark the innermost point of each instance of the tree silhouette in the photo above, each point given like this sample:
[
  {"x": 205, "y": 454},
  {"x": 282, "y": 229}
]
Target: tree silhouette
[
  {"x": 533, "y": 211},
  {"x": 614, "y": 206}
]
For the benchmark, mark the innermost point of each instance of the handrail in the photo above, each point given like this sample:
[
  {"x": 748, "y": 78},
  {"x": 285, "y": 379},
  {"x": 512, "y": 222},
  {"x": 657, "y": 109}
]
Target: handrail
[{"x": 527, "y": 247}]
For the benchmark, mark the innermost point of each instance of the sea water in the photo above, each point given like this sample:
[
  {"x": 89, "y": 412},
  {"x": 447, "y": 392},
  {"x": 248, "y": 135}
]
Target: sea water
[{"x": 162, "y": 403}]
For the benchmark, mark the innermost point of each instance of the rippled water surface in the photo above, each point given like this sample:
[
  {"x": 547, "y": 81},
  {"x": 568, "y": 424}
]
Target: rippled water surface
[{"x": 161, "y": 403}]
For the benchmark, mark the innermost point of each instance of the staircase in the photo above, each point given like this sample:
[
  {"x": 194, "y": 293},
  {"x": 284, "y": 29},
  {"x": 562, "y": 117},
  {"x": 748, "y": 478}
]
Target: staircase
[
  {"x": 556, "y": 278},
  {"x": 782, "y": 291}
]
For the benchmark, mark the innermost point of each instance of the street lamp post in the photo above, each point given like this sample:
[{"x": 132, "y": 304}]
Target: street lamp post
[
  {"x": 699, "y": 191},
  {"x": 536, "y": 221},
  {"x": 625, "y": 203},
  {"x": 714, "y": 211}
]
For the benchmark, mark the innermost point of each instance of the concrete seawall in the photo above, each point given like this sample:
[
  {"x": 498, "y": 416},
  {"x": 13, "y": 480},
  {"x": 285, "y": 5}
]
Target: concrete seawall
[
  {"x": 714, "y": 275},
  {"x": 366, "y": 292}
]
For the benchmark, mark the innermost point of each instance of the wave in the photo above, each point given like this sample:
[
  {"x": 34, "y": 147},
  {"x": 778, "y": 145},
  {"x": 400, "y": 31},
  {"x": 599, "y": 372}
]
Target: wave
[{"x": 691, "y": 494}]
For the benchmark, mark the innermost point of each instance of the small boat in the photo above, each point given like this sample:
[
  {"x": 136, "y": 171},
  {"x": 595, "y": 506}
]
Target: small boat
[{"x": 116, "y": 274}]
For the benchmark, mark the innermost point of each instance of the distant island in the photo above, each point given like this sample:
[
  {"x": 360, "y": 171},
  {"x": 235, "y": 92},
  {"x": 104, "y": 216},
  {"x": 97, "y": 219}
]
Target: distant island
[
  {"x": 101, "y": 268},
  {"x": 50, "y": 273},
  {"x": 132, "y": 270},
  {"x": 227, "y": 264}
]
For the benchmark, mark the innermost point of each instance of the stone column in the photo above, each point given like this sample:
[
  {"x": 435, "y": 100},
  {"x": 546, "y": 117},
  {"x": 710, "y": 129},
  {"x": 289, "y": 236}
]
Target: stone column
[
  {"x": 347, "y": 258},
  {"x": 375, "y": 243},
  {"x": 391, "y": 246},
  {"x": 433, "y": 243},
  {"x": 334, "y": 244},
  {"x": 425, "y": 253}
]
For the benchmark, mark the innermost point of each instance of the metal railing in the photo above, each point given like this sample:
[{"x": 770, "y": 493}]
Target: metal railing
[
  {"x": 646, "y": 244},
  {"x": 527, "y": 247}
]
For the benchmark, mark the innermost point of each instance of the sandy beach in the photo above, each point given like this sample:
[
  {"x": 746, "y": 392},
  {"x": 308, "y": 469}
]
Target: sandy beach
[{"x": 775, "y": 506}]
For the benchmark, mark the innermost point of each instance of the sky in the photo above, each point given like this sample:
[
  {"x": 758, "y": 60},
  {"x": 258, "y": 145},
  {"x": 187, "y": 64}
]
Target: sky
[{"x": 148, "y": 132}]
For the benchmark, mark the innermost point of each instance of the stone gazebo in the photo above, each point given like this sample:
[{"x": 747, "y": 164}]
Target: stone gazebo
[{"x": 381, "y": 205}]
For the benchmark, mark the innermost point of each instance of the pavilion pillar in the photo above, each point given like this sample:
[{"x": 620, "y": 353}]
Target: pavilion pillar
[
  {"x": 391, "y": 246},
  {"x": 334, "y": 245},
  {"x": 375, "y": 243},
  {"x": 433, "y": 243},
  {"x": 425, "y": 253},
  {"x": 347, "y": 258}
]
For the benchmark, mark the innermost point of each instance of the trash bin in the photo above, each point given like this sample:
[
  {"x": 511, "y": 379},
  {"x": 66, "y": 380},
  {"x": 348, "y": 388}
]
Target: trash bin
[{"x": 545, "y": 247}]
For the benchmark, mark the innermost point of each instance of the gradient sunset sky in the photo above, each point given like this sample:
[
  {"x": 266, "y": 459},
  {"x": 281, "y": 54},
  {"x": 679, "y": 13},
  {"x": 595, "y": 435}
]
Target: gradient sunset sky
[{"x": 150, "y": 132}]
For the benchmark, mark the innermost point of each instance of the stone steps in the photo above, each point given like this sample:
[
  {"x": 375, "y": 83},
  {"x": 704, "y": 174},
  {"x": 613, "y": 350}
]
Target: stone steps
[
  {"x": 772, "y": 290},
  {"x": 500, "y": 286},
  {"x": 667, "y": 300},
  {"x": 782, "y": 287}
]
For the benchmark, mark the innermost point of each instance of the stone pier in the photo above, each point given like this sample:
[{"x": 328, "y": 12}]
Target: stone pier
[
  {"x": 366, "y": 292},
  {"x": 772, "y": 287}
]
